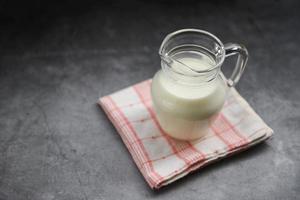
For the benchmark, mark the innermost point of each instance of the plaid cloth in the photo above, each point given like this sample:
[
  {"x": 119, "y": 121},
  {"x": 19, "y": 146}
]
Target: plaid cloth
[{"x": 162, "y": 159}]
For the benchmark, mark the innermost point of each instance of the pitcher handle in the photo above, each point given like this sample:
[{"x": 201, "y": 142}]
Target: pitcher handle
[{"x": 232, "y": 49}]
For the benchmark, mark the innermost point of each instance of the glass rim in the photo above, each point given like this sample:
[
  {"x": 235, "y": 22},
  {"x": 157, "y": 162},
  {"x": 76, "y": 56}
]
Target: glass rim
[{"x": 206, "y": 33}]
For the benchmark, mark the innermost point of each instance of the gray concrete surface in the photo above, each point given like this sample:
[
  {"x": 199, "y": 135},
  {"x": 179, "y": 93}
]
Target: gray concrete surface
[{"x": 56, "y": 59}]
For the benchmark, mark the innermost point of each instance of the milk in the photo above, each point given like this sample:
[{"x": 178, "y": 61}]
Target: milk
[{"x": 185, "y": 105}]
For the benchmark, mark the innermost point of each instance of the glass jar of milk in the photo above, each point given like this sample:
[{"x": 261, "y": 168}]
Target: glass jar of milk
[{"x": 190, "y": 89}]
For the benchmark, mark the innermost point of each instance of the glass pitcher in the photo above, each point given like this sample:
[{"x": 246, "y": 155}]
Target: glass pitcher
[{"x": 190, "y": 89}]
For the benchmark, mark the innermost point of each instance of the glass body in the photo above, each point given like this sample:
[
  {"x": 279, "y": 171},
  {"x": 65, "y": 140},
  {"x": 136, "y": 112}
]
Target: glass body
[{"x": 190, "y": 89}]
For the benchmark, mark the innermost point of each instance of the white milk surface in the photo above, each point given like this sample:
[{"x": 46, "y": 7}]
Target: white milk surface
[{"x": 183, "y": 110}]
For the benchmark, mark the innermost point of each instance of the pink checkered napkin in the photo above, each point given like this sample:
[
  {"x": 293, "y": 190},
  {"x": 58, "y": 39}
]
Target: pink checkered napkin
[{"x": 162, "y": 159}]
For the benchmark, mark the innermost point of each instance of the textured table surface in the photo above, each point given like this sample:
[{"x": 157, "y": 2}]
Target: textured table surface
[{"x": 57, "y": 59}]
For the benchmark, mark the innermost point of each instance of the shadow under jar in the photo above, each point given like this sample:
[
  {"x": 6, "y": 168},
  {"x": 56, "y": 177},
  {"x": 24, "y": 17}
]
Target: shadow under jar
[{"x": 190, "y": 89}]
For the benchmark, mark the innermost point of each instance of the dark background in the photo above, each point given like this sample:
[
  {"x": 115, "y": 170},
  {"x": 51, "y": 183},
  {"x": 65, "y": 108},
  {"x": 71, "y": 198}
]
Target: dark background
[{"x": 57, "y": 58}]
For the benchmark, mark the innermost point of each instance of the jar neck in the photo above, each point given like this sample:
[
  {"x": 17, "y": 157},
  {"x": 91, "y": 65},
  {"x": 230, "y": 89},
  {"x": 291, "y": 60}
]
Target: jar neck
[{"x": 196, "y": 79}]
